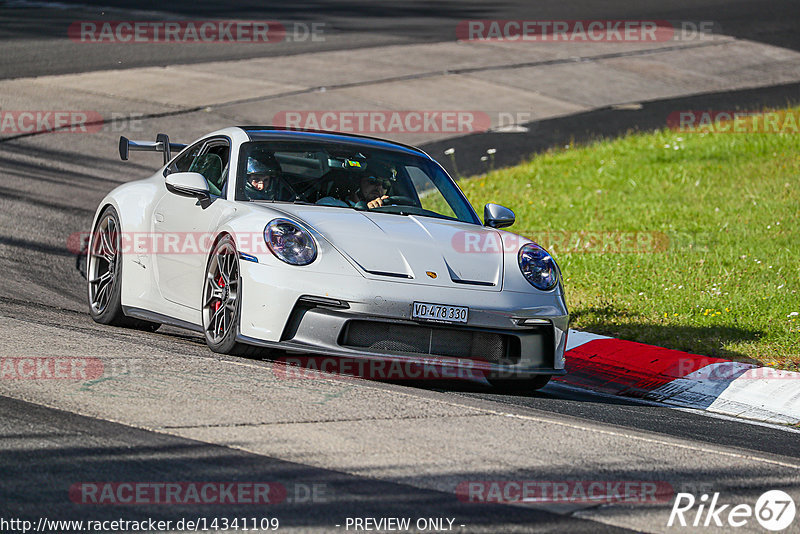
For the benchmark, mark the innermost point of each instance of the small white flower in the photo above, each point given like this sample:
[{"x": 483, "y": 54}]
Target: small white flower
[
  {"x": 449, "y": 151},
  {"x": 793, "y": 314},
  {"x": 491, "y": 151}
]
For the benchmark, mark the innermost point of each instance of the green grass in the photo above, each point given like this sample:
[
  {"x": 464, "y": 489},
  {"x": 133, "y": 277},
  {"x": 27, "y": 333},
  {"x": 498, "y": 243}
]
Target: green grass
[{"x": 724, "y": 209}]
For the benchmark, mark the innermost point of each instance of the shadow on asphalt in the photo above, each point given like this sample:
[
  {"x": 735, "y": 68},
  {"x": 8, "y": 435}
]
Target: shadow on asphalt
[
  {"x": 49, "y": 452},
  {"x": 50, "y": 458}
]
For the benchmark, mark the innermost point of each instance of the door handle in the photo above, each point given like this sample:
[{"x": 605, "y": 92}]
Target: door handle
[{"x": 159, "y": 217}]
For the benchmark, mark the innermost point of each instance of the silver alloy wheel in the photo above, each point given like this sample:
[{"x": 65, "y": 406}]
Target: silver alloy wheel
[
  {"x": 221, "y": 292},
  {"x": 103, "y": 263}
]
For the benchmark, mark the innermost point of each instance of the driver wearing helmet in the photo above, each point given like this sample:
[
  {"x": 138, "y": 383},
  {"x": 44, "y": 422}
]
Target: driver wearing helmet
[{"x": 261, "y": 181}]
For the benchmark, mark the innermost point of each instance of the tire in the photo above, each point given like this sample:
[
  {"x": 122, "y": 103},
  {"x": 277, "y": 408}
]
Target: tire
[
  {"x": 104, "y": 275},
  {"x": 521, "y": 386},
  {"x": 221, "y": 308}
]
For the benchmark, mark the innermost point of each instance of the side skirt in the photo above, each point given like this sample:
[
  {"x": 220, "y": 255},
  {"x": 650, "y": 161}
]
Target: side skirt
[{"x": 148, "y": 315}]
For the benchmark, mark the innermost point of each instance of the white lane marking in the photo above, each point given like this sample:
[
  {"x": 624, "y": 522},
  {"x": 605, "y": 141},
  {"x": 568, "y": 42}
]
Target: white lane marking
[
  {"x": 737, "y": 389},
  {"x": 762, "y": 390},
  {"x": 684, "y": 409}
]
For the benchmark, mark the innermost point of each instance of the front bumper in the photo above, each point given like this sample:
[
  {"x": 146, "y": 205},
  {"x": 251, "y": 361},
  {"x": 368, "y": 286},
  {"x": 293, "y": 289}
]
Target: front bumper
[{"x": 316, "y": 313}]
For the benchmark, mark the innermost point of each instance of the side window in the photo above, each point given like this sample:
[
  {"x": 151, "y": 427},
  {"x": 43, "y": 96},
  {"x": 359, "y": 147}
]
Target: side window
[
  {"x": 184, "y": 162},
  {"x": 212, "y": 163}
]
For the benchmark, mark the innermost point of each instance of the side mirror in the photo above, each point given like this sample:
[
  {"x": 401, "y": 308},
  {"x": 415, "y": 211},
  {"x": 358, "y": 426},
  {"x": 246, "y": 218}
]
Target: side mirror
[
  {"x": 497, "y": 216},
  {"x": 188, "y": 184}
]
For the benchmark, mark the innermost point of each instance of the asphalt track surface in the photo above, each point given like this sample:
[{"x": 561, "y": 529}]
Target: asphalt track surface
[
  {"x": 32, "y": 36},
  {"x": 49, "y": 188}
]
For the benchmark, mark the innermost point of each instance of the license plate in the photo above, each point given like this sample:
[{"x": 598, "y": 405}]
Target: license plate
[{"x": 439, "y": 312}]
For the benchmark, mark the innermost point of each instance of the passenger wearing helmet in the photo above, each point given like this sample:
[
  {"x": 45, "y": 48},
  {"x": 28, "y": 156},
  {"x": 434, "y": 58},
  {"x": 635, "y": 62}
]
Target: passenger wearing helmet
[{"x": 261, "y": 182}]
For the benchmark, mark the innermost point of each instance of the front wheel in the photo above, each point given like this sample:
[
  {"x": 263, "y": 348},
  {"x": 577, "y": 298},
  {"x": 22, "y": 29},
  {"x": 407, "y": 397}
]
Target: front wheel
[{"x": 221, "y": 300}]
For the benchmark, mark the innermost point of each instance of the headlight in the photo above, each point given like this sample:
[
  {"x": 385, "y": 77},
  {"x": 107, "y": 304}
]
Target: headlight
[
  {"x": 538, "y": 267},
  {"x": 289, "y": 242}
]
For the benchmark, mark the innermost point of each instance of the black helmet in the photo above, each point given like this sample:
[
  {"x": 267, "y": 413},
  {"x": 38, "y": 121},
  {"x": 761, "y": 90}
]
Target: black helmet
[{"x": 266, "y": 166}]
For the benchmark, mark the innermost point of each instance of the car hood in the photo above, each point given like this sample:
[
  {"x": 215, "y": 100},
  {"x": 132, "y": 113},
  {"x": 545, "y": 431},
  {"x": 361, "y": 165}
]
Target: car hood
[{"x": 424, "y": 249}]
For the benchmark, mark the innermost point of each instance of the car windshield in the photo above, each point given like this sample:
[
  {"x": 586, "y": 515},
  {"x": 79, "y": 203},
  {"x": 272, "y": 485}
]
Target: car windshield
[{"x": 349, "y": 176}]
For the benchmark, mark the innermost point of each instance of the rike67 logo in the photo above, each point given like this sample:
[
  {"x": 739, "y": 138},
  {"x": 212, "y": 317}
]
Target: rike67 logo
[{"x": 774, "y": 510}]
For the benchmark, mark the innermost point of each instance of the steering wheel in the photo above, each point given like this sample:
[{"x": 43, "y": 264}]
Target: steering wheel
[{"x": 398, "y": 201}]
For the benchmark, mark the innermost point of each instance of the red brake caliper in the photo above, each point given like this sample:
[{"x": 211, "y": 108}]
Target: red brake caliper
[{"x": 221, "y": 283}]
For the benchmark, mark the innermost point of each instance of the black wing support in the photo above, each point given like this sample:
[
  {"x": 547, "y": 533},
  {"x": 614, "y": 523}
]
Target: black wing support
[{"x": 161, "y": 144}]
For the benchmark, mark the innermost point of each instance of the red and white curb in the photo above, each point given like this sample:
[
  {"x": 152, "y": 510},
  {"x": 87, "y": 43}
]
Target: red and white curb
[{"x": 626, "y": 368}]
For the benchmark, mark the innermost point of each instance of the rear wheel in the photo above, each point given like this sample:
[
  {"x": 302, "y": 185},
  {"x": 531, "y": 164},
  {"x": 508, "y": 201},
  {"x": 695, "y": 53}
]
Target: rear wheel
[
  {"x": 104, "y": 272},
  {"x": 221, "y": 300},
  {"x": 521, "y": 385}
]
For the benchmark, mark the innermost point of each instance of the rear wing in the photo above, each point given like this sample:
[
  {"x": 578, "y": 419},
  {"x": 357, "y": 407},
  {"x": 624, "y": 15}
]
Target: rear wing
[{"x": 161, "y": 144}]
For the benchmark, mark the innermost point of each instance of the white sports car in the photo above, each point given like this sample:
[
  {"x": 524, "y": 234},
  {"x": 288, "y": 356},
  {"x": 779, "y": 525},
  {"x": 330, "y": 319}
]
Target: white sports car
[{"x": 324, "y": 243}]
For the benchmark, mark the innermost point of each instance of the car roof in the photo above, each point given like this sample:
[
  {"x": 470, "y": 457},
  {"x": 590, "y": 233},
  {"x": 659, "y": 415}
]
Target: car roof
[{"x": 263, "y": 133}]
